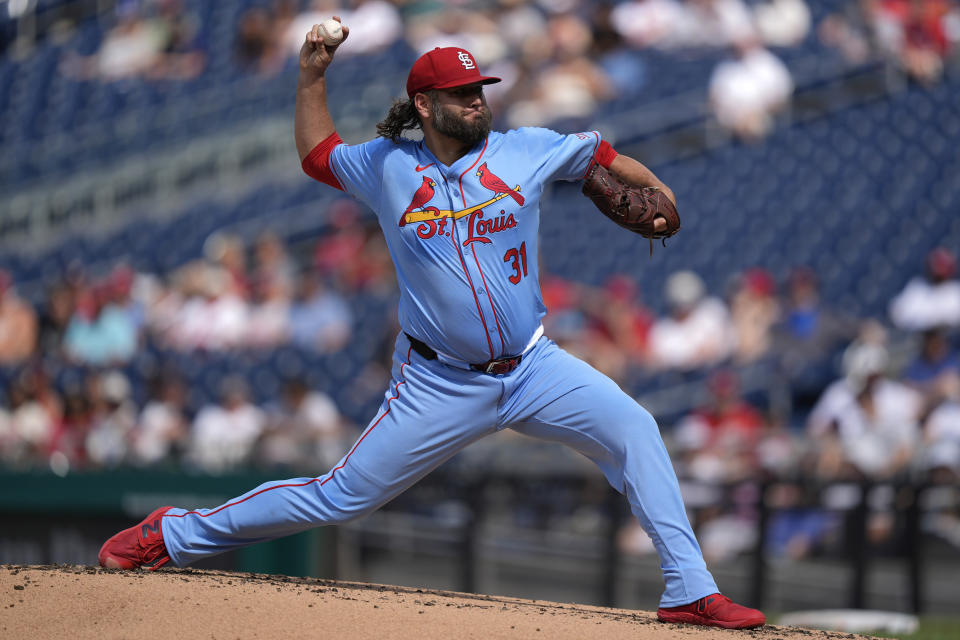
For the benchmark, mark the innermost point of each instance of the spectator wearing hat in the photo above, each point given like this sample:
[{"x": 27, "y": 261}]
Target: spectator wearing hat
[{"x": 930, "y": 301}]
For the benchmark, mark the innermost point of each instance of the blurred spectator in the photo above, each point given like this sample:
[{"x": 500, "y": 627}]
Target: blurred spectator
[
  {"x": 747, "y": 91},
  {"x": 159, "y": 45},
  {"x": 565, "y": 320},
  {"x": 865, "y": 424},
  {"x": 626, "y": 70},
  {"x": 223, "y": 435},
  {"x": 339, "y": 249},
  {"x": 305, "y": 431},
  {"x": 54, "y": 319},
  {"x": 380, "y": 23},
  {"x": 181, "y": 57},
  {"x": 566, "y": 84},
  {"x": 113, "y": 421},
  {"x": 268, "y": 323},
  {"x": 782, "y": 23},
  {"x": 18, "y": 324},
  {"x": 320, "y": 318},
  {"x": 99, "y": 331},
  {"x": 259, "y": 44},
  {"x": 212, "y": 315},
  {"x": 273, "y": 269},
  {"x": 117, "y": 291},
  {"x": 941, "y": 433},
  {"x": 697, "y": 333},
  {"x": 931, "y": 301},
  {"x": 34, "y": 419},
  {"x": 71, "y": 439},
  {"x": 377, "y": 20},
  {"x": 163, "y": 429},
  {"x": 754, "y": 310},
  {"x": 228, "y": 252},
  {"x": 935, "y": 360},
  {"x": 459, "y": 27},
  {"x": 8, "y": 438},
  {"x": 618, "y": 314},
  {"x": 649, "y": 23},
  {"x": 920, "y": 38},
  {"x": 718, "y": 441},
  {"x": 851, "y": 30},
  {"x": 714, "y": 23},
  {"x": 809, "y": 333},
  {"x": 672, "y": 24}
]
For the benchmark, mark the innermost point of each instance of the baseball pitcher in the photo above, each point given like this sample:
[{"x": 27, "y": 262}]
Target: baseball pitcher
[{"x": 460, "y": 211}]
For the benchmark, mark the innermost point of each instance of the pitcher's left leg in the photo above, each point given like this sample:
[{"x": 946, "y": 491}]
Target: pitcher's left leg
[{"x": 560, "y": 398}]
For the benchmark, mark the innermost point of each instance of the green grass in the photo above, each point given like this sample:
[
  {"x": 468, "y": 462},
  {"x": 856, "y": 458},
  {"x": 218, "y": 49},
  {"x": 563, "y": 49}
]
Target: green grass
[{"x": 932, "y": 629}]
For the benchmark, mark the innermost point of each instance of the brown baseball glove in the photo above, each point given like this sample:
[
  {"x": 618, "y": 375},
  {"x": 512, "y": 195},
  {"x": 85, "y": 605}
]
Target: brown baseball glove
[{"x": 631, "y": 208}]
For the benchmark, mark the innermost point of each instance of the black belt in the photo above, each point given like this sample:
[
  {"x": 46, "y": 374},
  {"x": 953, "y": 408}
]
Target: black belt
[{"x": 496, "y": 367}]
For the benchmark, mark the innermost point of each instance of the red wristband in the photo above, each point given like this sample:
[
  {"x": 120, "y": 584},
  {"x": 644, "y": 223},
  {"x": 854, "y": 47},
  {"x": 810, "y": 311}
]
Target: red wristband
[{"x": 317, "y": 163}]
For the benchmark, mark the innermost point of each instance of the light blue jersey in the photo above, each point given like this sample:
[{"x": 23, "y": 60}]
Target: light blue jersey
[{"x": 464, "y": 237}]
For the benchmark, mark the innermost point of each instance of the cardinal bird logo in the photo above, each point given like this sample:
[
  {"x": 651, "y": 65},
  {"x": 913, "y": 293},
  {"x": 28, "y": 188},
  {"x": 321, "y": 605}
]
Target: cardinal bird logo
[
  {"x": 420, "y": 198},
  {"x": 490, "y": 180}
]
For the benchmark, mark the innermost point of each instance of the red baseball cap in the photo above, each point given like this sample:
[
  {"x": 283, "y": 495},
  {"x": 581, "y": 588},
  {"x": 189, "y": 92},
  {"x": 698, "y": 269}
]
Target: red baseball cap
[{"x": 444, "y": 69}]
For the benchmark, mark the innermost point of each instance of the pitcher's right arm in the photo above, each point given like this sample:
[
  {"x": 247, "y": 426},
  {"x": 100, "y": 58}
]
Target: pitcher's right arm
[{"x": 312, "y": 121}]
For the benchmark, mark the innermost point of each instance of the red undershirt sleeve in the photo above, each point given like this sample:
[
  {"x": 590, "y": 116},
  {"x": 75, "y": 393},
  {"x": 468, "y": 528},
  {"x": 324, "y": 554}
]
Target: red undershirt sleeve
[
  {"x": 604, "y": 154},
  {"x": 317, "y": 163}
]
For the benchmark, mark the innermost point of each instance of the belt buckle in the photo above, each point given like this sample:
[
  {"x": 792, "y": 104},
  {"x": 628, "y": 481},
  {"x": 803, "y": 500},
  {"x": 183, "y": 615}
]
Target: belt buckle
[{"x": 502, "y": 366}]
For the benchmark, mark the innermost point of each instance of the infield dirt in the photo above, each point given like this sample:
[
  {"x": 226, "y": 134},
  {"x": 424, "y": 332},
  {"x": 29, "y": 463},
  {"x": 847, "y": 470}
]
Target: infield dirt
[{"x": 45, "y": 602}]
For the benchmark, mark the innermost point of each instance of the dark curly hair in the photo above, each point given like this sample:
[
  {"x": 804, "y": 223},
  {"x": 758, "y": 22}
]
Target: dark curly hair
[{"x": 402, "y": 116}]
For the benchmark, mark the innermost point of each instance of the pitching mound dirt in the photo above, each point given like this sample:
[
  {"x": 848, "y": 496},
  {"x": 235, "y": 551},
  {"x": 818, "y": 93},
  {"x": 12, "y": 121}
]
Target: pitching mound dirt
[{"x": 41, "y": 602}]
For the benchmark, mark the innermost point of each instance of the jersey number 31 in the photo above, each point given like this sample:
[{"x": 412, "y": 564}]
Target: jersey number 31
[{"x": 519, "y": 258}]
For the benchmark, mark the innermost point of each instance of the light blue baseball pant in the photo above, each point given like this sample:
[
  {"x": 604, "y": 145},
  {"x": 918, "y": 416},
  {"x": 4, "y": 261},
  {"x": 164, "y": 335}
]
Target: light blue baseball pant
[{"x": 433, "y": 410}]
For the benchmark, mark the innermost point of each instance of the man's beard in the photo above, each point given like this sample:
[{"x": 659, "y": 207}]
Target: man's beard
[{"x": 457, "y": 127}]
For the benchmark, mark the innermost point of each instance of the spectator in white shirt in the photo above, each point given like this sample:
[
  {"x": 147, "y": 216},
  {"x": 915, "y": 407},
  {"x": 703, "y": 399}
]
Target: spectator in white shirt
[
  {"x": 306, "y": 431},
  {"x": 747, "y": 91},
  {"x": 865, "y": 424},
  {"x": 941, "y": 433},
  {"x": 698, "y": 331},
  {"x": 224, "y": 434},
  {"x": 163, "y": 428},
  {"x": 931, "y": 301}
]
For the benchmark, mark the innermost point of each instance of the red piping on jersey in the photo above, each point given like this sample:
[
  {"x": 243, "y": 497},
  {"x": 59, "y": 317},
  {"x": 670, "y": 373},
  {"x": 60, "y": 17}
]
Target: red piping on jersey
[
  {"x": 503, "y": 346},
  {"x": 317, "y": 164},
  {"x": 453, "y": 236},
  {"x": 474, "y": 249},
  {"x": 460, "y": 180},
  {"x": 312, "y": 480},
  {"x": 596, "y": 148}
]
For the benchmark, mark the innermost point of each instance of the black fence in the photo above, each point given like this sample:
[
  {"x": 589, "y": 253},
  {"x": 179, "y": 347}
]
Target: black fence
[{"x": 468, "y": 518}]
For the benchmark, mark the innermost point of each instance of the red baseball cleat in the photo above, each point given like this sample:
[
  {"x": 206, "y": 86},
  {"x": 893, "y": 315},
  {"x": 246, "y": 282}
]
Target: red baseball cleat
[
  {"x": 139, "y": 546},
  {"x": 714, "y": 611}
]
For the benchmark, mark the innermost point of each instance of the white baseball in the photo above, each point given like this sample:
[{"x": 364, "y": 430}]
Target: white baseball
[{"x": 331, "y": 32}]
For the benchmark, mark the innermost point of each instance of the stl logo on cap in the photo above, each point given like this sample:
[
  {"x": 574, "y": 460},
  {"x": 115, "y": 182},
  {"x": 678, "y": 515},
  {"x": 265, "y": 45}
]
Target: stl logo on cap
[
  {"x": 466, "y": 60},
  {"x": 445, "y": 68}
]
